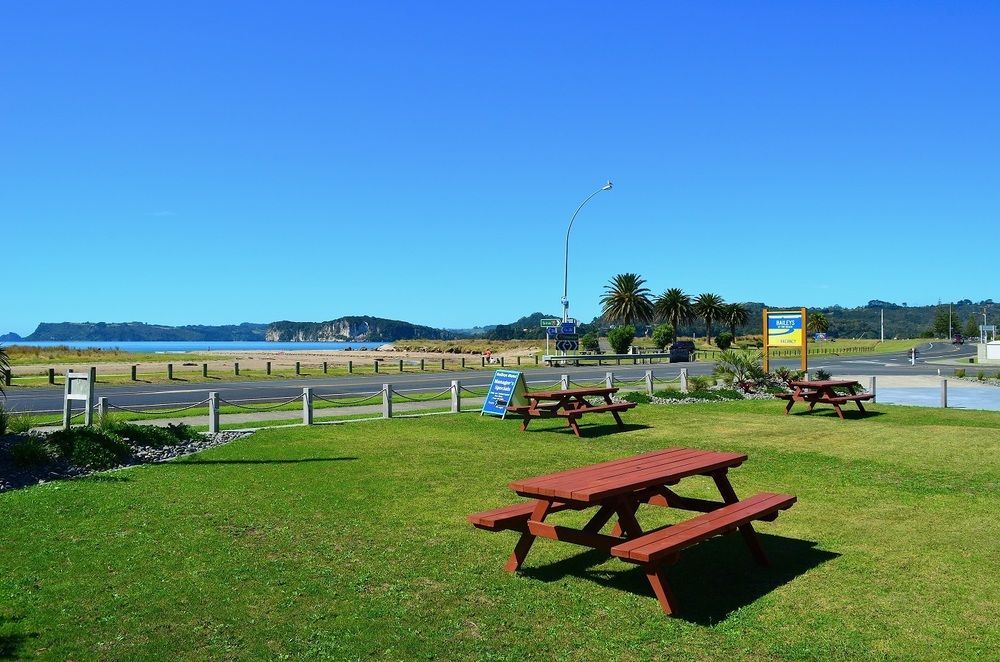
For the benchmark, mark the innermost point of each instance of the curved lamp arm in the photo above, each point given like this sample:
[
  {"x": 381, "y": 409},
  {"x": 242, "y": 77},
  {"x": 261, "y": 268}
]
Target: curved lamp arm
[{"x": 565, "y": 299}]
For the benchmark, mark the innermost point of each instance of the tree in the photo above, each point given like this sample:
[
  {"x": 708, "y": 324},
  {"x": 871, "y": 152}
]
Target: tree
[
  {"x": 817, "y": 323},
  {"x": 590, "y": 342},
  {"x": 662, "y": 335},
  {"x": 626, "y": 300},
  {"x": 972, "y": 326},
  {"x": 621, "y": 337},
  {"x": 724, "y": 340},
  {"x": 708, "y": 307},
  {"x": 734, "y": 315},
  {"x": 674, "y": 307}
]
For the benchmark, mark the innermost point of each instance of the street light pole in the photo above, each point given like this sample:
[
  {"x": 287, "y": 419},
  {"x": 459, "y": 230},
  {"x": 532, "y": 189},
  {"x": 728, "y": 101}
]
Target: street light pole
[{"x": 565, "y": 296}]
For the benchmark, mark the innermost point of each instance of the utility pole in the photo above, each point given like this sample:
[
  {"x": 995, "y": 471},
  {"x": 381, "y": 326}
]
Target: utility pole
[
  {"x": 951, "y": 333},
  {"x": 882, "y": 324}
]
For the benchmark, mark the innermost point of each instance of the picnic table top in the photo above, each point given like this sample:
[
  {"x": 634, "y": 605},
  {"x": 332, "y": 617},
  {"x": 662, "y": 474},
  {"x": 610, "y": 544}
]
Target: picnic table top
[
  {"x": 824, "y": 383},
  {"x": 559, "y": 394},
  {"x": 598, "y": 482}
]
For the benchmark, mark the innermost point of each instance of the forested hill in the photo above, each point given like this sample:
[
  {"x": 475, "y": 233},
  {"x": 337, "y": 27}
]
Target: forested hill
[{"x": 140, "y": 331}]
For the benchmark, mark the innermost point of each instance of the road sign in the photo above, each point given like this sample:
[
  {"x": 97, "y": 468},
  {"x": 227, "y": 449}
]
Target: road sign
[
  {"x": 567, "y": 336},
  {"x": 567, "y": 345},
  {"x": 552, "y": 331},
  {"x": 567, "y": 327},
  {"x": 550, "y": 322},
  {"x": 507, "y": 388}
]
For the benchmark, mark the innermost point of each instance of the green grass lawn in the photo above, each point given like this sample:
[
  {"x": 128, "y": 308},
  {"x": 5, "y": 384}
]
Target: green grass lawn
[{"x": 350, "y": 541}]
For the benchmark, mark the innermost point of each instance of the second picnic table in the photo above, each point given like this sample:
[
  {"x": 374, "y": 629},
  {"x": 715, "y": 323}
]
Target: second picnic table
[
  {"x": 570, "y": 403},
  {"x": 824, "y": 392}
]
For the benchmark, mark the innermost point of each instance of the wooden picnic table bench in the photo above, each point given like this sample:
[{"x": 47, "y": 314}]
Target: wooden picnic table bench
[
  {"x": 824, "y": 392},
  {"x": 617, "y": 489},
  {"x": 571, "y": 404}
]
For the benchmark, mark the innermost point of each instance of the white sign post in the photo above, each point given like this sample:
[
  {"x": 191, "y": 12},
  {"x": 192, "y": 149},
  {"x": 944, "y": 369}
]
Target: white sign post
[{"x": 78, "y": 387}]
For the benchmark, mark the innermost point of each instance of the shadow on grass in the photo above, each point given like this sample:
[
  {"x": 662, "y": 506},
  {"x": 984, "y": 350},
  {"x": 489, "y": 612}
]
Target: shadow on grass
[
  {"x": 12, "y": 642},
  {"x": 183, "y": 461},
  {"x": 592, "y": 430},
  {"x": 711, "y": 580},
  {"x": 849, "y": 414}
]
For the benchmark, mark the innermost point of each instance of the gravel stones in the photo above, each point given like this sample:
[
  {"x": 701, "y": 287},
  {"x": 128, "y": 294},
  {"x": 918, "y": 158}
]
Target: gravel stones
[{"x": 14, "y": 476}]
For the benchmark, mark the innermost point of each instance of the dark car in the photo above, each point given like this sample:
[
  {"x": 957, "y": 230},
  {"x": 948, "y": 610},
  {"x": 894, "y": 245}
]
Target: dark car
[
  {"x": 958, "y": 339},
  {"x": 681, "y": 351}
]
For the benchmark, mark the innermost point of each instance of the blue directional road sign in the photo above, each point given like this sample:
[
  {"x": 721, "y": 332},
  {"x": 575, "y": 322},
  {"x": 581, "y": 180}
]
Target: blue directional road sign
[
  {"x": 551, "y": 331},
  {"x": 567, "y": 327}
]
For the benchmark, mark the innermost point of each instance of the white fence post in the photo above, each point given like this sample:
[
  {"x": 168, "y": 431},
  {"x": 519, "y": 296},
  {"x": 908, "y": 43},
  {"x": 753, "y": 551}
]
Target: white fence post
[
  {"x": 564, "y": 382},
  {"x": 609, "y": 380},
  {"x": 871, "y": 387},
  {"x": 944, "y": 393},
  {"x": 684, "y": 380},
  {"x": 307, "y": 406},
  {"x": 102, "y": 408},
  {"x": 386, "y": 400},
  {"x": 213, "y": 412},
  {"x": 456, "y": 396}
]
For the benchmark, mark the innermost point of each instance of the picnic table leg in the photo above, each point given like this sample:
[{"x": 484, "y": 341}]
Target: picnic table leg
[
  {"x": 664, "y": 595},
  {"x": 524, "y": 422},
  {"x": 749, "y": 535},
  {"x": 627, "y": 522},
  {"x": 571, "y": 421},
  {"x": 840, "y": 412},
  {"x": 525, "y": 541},
  {"x": 599, "y": 519},
  {"x": 618, "y": 419},
  {"x": 788, "y": 407}
]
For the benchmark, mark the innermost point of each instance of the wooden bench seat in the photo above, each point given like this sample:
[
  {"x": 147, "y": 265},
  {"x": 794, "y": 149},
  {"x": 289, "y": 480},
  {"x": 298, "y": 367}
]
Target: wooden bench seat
[
  {"x": 508, "y": 518},
  {"x": 617, "y": 406},
  {"x": 659, "y": 545},
  {"x": 843, "y": 399}
]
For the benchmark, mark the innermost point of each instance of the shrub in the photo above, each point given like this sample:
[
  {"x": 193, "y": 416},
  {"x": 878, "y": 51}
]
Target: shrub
[
  {"x": 590, "y": 342},
  {"x": 3, "y": 420},
  {"x": 662, "y": 335},
  {"x": 671, "y": 394},
  {"x": 960, "y": 373},
  {"x": 621, "y": 337},
  {"x": 821, "y": 375},
  {"x": 745, "y": 368},
  {"x": 981, "y": 376},
  {"x": 89, "y": 447},
  {"x": 724, "y": 340},
  {"x": 699, "y": 383},
  {"x": 728, "y": 394},
  {"x": 20, "y": 422},
  {"x": 636, "y": 396},
  {"x": 29, "y": 452}
]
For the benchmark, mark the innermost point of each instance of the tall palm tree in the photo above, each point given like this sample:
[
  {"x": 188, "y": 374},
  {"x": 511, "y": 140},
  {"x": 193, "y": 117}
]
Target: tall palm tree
[
  {"x": 708, "y": 307},
  {"x": 817, "y": 323},
  {"x": 674, "y": 307},
  {"x": 626, "y": 300},
  {"x": 734, "y": 314}
]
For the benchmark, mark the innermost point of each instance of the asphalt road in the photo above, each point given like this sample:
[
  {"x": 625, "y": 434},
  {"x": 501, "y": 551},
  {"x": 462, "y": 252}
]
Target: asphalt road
[{"x": 170, "y": 396}]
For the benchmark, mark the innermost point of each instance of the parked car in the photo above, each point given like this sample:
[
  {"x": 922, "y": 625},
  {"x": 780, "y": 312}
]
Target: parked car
[
  {"x": 958, "y": 339},
  {"x": 681, "y": 351}
]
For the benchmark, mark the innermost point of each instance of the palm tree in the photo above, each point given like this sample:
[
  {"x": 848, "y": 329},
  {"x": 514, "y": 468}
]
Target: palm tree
[
  {"x": 626, "y": 300},
  {"x": 817, "y": 323},
  {"x": 734, "y": 314},
  {"x": 674, "y": 307},
  {"x": 709, "y": 307}
]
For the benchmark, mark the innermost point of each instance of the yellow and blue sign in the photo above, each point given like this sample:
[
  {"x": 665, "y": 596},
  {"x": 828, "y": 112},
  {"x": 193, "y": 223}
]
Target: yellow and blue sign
[{"x": 785, "y": 330}]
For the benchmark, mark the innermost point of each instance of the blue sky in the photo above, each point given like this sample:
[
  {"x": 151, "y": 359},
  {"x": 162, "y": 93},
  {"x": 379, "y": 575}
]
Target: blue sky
[{"x": 223, "y": 162}]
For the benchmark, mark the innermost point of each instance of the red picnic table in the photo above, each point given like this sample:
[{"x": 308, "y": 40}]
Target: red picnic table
[
  {"x": 824, "y": 392},
  {"x": 616, "y": 489},
  {"x": 570, "y": 403}
]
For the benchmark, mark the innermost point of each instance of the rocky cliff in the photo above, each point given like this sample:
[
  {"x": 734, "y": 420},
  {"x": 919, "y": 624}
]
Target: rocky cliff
[{"x": 353, "y": 329}]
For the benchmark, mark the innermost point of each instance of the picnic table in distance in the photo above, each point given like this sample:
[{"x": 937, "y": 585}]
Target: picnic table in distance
[
  {"x": 617, "y": 489},
  {"x": 824, "y": 392},
  {"x": 569, "y": 403}
]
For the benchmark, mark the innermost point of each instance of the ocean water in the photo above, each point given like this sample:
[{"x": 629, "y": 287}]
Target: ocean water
[{"x": 179, "y": 346}]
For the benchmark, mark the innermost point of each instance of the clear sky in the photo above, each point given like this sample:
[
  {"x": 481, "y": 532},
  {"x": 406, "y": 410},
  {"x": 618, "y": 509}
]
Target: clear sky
[{"x": 212, "y": 162}]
